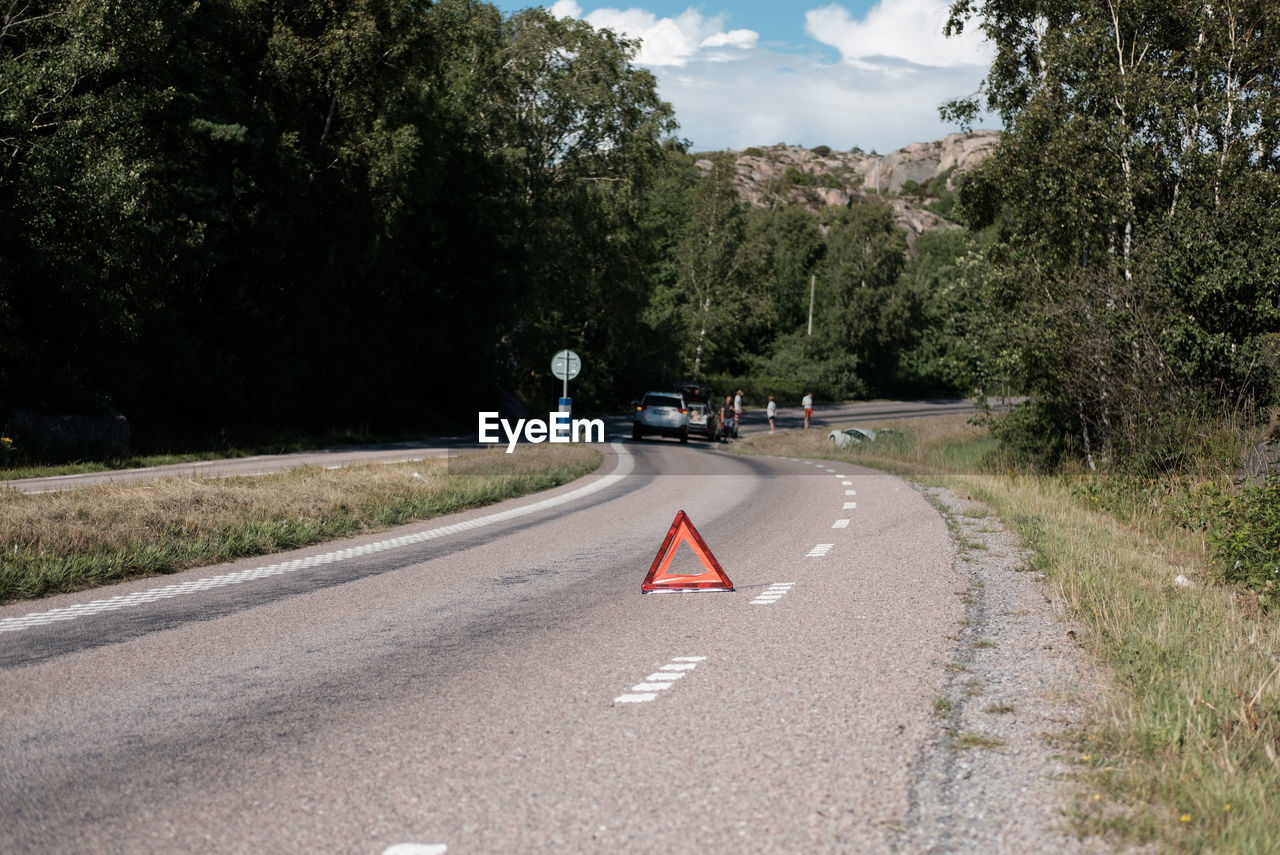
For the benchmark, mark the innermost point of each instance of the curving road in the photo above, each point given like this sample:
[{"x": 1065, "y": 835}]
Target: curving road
[
  {"x": 398, "y": 452},
  {"x": 495, "y": 682}
]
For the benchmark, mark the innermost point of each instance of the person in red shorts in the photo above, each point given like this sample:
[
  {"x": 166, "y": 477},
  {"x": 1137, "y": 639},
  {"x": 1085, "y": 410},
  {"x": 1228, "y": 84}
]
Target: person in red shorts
[{"x": 808, "y": 408}]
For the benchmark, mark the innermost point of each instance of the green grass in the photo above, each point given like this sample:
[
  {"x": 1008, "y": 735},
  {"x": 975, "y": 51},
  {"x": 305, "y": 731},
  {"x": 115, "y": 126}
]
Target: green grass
[
  {"x": 964, "y": 741},
  {"x": 58, "y": 542},
  {"x": 1183, "y": 752}
]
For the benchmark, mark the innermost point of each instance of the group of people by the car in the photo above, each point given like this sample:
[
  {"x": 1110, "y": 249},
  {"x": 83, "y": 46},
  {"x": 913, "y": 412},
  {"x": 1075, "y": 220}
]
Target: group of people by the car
[
  {"x": 731, "y": 414},
  {"x": 674, "y": 414}
]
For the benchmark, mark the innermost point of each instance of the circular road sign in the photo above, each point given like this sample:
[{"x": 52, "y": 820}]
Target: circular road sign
[{"x": 565, "y": 365}]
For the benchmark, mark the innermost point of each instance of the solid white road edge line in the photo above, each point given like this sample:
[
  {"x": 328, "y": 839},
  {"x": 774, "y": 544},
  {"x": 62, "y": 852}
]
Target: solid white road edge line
[{"x": 15, "y": 624}]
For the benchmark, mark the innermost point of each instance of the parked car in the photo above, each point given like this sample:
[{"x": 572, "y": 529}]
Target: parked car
[
  {"x": 661, "y": 413},
  {"x": 702, "y": 421},
  {"x": 697, "y": 397}
]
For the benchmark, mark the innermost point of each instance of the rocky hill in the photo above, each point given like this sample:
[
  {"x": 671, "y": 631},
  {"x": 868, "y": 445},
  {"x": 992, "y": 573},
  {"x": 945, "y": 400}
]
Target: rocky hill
[{"x": 784, "y": 174}]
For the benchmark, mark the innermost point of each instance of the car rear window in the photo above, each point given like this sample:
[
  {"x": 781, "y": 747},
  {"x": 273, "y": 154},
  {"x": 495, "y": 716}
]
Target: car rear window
[{"x": 661, "y": 401}]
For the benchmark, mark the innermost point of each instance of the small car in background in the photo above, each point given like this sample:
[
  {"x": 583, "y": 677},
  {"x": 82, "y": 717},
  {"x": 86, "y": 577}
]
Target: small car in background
[{"x": 661, "y": 413}]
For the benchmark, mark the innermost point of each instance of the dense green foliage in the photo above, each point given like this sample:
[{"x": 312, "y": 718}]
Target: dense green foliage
[
  {"x": 1134, "y": 283},
  {"x": 1243, "y": 527},
  {"x": 238, "y": 216}
]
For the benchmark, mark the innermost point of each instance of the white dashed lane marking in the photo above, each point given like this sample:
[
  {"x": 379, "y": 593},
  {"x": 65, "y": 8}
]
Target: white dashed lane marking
[
  {"x": 851, "y": 492},
  {"x": 820, "y": 550},
  {"x": 772, "y": 594},
  {"x": 661, "y": 680},
  {"x": 840, "y": 524},
  {"x": 850, "y": 506}
]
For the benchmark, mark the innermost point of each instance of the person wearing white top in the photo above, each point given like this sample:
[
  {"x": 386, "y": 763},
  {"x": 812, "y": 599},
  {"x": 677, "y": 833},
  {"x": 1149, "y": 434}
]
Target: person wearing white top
[
  {"x": 771, "y": 411},
  {"x": 808, "y": 408}
]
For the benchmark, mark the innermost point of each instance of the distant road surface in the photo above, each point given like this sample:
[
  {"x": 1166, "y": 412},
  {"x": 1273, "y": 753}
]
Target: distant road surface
[{"x": 753, "y": 420}]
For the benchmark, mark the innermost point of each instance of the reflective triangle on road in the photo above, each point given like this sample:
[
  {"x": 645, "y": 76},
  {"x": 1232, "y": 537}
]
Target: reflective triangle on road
[{"x": 712, "y": 578}]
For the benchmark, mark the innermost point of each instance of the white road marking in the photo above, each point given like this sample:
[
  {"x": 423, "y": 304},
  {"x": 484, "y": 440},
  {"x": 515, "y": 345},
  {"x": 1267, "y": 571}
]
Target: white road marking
[
  {"x": 663, "y": 679},
  {"x": 819, "y": 550},
  {"x": 849, "y": 506},
  {"x": 122, "y": 601},
  {"x": 846, "y": 483},
  {"x": 851, "y": 492},
  {"x": 659, "y": 676},
  {"x": 772, "y": 594},
  {"x": 840, "y": 524},
  {"x": 416, "y": 849}
]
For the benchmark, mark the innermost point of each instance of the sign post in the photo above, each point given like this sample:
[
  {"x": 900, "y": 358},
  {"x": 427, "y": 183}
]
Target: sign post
[{"x": 566, "y": 366}]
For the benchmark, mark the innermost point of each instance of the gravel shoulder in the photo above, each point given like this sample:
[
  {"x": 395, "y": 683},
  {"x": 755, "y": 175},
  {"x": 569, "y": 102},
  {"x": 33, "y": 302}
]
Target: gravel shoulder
[{"x": 995, "y": 777}]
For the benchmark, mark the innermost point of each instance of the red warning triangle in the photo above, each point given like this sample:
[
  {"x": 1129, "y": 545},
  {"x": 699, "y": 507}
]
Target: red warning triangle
[{"x": 711, "y": 579}]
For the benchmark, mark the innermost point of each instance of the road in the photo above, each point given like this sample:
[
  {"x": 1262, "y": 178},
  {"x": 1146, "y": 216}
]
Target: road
[
  {"x": 825, "y": 417},
  {"x": 494, "y": 681}
]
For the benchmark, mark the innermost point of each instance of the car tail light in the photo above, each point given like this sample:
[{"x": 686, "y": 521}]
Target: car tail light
[
  {"x": 683, "y": 412},
  {"x": 639, "y": 407}
]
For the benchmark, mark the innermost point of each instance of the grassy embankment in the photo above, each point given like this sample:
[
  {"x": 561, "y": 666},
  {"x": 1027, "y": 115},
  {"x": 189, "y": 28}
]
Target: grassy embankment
[
  {"x": 1183, "y": 751},
  {"x": 67, "y": 541}
]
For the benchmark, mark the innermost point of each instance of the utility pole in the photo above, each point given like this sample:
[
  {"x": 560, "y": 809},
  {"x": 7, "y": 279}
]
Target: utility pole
[{"x": 812, "y": 279}]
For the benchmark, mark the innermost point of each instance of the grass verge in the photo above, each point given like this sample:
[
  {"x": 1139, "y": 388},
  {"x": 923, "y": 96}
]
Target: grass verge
[
  {"x": 58, "y": 542},
  {"x": 1184, "y": 752}
]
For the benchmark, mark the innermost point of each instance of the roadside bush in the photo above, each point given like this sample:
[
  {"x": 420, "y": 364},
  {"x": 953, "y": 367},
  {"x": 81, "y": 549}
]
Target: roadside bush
[
  {"x": 787, "y": 390},
  {"x": 1243, "y": 527},
  {"x": 800, "y": 179},
  {"x": 1032, "y": 432}
]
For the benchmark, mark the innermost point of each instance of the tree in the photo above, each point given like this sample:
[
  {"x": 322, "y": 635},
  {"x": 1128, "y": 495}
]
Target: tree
[
  {"x": 718, "y": 278},
  {"x": 860, "y": 311},
  {"x": 1133, "y": 127}
]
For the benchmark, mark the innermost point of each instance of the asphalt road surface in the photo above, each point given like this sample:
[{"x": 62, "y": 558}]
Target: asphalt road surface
[{"x": 494, "y": 681}]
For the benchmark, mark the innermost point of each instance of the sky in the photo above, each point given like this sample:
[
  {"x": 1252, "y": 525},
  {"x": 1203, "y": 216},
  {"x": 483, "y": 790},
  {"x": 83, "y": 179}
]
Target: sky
[{"x": 757, "y": 72}]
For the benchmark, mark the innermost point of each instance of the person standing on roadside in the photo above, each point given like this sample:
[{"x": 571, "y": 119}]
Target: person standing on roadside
[
  {"x": 808, "y": 408},
  {"x": 771, "y": 411},
  {"x": 737, "y": 413},
  {"x": 727, "y": 426}
]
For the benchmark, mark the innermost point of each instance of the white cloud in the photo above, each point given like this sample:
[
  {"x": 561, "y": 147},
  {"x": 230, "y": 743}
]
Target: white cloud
[
  {"x": 565, "y": 9},
  {"x": 667, "y": 41},
  {"x": 898, "y": 30},
  {"x": 733, "y": 38},
  {"x": 729, "y": 92}
]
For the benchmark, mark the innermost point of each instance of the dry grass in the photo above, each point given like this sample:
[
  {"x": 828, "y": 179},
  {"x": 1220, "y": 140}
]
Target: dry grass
[
  {"x": 76, "y": 539},
  {"x": 1183, "y": 752}
]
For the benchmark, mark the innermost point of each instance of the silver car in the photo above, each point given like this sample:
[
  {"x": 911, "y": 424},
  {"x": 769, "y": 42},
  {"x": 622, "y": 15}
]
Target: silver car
[{"x": 662, "y": 413}]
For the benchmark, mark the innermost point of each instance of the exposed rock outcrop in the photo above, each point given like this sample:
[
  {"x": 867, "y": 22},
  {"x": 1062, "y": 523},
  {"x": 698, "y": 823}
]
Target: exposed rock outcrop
[{"x": 783, "y": 174}]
